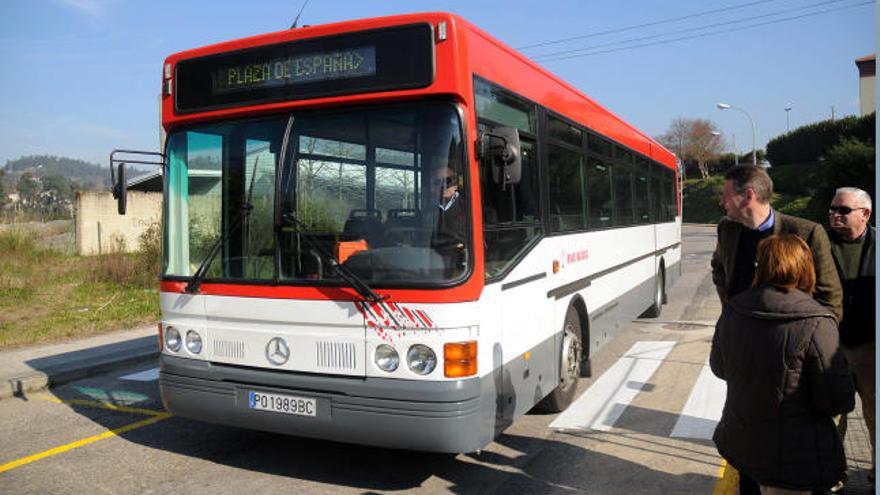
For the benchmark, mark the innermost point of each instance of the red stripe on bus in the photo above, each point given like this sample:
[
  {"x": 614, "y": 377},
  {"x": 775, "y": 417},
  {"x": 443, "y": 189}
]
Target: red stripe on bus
[
  {"x": 424, "y": 317},
  {"x": 469, "y": 291}
]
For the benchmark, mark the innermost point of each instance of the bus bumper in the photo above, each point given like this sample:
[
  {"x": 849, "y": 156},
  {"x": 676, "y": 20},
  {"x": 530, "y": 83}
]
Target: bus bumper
[{"x": 449, "y": 417}]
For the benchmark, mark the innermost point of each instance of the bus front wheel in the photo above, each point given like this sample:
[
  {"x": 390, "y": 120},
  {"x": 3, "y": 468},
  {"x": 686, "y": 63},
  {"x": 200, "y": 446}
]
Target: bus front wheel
[{"x": 570, "y": 365}]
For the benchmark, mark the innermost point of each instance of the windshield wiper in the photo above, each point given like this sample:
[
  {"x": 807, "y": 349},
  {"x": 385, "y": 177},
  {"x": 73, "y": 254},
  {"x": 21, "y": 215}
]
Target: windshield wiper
[
  {"x": 246, "y": 208},
  {"x": 356, "y": 282}
]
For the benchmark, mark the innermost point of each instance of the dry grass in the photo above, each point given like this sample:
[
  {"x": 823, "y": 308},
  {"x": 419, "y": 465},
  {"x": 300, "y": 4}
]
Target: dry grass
[{"x": 48, "y": 296}]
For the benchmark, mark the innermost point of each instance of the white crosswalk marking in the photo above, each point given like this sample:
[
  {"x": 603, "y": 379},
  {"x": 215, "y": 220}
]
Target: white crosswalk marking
[
  {"x": 143, "y": 376},
  {"x": 703, "y": 408},
  {"x": 602, "y": 404}
]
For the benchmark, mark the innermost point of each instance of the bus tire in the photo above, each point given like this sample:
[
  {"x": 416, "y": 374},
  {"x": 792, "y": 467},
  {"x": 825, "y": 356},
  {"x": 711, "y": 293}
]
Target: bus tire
[
  {"x": 659, "y": 295},
  {"x": 570, "y": 365}
]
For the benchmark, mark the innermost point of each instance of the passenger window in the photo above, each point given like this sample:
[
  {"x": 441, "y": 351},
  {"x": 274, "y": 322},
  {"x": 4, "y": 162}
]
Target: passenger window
[
  {"x": 599, "y": 146},
  {"x": 656, "y": 197},
  {"x": 492, "y": 103},
  {"x": 599, "y": 193},
  {"x": 641, "y": 197},
  {"x": 567, "y": 202},
  {"x": 670, "y": 189},
  {"x": 623, "y": 209},
  {"x": 566, "y": 133}
]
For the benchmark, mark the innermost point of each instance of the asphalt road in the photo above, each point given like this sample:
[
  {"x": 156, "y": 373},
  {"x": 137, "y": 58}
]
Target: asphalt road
[{"x": 108, "y": 434}]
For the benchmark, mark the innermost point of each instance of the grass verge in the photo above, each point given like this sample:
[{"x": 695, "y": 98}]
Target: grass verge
[{"x": 47, "y": 296}]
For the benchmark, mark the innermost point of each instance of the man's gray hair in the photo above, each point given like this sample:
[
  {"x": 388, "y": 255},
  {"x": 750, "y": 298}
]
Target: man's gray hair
[{"x": 861, "y": 197}]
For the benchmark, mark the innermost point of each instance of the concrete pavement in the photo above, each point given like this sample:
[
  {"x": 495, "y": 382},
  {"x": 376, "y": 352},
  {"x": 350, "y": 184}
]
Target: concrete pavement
[{"x": 34, "y": 368}]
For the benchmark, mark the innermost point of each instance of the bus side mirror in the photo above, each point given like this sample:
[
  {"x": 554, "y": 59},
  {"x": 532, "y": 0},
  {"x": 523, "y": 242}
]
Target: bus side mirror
[
  {"x": 501, "y": 148},
  {"x": 120, "y": 191},
  {"x": 118, "y": 177}
]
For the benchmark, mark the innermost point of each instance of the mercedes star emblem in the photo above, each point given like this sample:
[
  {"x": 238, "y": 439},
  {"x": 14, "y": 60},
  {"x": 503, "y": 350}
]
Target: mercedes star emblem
[{"x": 277, "y": 351}]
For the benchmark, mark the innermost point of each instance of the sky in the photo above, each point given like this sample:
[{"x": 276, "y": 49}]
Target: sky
[{"x": 82, "y": 77}]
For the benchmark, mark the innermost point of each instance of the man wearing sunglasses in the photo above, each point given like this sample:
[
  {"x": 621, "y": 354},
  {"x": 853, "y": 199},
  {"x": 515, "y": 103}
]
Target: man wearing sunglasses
[
  {"x": 450, "y": 217},
  {"x": 852, "y": 245}
]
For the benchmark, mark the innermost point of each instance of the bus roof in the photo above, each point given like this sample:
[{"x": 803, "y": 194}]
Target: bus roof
[
  {"x": 492, "y": 59},
  {"x": 472, "y": 50}
]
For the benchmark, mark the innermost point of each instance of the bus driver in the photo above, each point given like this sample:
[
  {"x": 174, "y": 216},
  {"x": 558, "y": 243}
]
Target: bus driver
[{"x": 448, "y": 216}]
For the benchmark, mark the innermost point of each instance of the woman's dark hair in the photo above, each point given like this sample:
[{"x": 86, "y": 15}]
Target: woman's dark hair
[{"x": 785, "y": 262}]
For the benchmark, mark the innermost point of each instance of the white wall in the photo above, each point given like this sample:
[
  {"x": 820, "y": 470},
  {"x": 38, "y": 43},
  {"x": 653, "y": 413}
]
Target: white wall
[{"x": 98, "y": 225}]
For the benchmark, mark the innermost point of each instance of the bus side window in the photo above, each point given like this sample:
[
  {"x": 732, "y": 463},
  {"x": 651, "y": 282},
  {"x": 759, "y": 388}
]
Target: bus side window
[
  {"x": 511, "y": 216},
  {"x": 516, "y": 202},
  {"x": 526, "y": 192}
]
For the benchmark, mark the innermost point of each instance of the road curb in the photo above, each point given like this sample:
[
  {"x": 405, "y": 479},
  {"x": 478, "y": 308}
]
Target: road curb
[{"x": 38, "y": 380}]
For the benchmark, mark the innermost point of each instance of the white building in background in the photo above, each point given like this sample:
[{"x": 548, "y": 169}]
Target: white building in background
[
  {"x": 867, "y": 77},
  {"x": 100, "y": 229}
]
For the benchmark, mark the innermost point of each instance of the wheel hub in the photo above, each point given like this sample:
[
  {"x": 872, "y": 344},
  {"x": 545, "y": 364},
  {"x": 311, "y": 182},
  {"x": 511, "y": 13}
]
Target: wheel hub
[{"x": 571, "y": 357}]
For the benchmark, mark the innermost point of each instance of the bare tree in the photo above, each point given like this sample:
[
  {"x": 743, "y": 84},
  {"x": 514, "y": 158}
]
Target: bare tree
[{"x": 697, "y": 140}]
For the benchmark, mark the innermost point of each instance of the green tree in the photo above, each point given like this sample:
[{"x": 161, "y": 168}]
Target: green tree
[
  {"x": 29, "y": 189},
  {"x": 852, "y": 163},
  {"x": 62, "y": 186},
  {"x": 57, "y": 197},
  {"x": 807, "y": 144}
]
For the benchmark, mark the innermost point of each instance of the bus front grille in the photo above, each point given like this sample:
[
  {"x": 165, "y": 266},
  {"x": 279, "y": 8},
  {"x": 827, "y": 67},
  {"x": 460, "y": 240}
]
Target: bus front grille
[
  {"x": 336, "y": 355},
  {"x": 229, "y": 349}
]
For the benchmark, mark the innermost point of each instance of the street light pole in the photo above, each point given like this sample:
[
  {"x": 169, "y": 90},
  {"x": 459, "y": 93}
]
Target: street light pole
[
  {"x": 787, "y": 121},
  {"x": 718, "y": 135},
  {"x": 725, "y": 106}
]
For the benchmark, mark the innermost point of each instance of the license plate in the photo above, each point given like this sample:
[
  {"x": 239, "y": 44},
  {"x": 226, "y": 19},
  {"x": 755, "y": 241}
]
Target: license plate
[{"x": 287, "y": 404}]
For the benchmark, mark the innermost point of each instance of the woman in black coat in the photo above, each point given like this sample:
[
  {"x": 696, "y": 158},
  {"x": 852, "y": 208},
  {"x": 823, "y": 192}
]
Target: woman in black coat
[{"x": 777, "y": 349}]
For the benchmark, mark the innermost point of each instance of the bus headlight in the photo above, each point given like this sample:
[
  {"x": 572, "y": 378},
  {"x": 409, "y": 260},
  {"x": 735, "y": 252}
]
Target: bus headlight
[
  {"x": 193, "y": 342},
  {"x": 172, "y": 339},
  {"x": 421, "y": 359},
  {"x": 386, "y": 358}
]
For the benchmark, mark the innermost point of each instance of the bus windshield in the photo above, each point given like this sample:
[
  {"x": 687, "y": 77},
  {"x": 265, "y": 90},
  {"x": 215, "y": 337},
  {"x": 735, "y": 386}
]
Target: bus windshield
[{"x": 380, "y": 191}]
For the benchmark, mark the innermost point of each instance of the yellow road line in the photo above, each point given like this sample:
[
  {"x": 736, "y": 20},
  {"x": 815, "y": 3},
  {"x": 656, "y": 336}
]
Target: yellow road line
[
  {"x": 85, "y": 441},
  {"x": 104, "y": 405},
  {"x": 728, "y": 480}
]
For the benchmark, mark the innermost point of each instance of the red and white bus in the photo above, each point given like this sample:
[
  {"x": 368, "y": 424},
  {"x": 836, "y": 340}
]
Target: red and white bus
[{"x": 397, "y": 232}]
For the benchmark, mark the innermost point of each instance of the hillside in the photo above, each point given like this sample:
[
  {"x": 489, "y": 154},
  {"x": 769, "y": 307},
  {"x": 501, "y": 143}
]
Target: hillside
[{"x": 86, "y": 175}]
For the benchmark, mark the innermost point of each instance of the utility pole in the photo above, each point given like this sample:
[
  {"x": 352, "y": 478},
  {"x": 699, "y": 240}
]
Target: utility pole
[{"x": 832, "y": 112}]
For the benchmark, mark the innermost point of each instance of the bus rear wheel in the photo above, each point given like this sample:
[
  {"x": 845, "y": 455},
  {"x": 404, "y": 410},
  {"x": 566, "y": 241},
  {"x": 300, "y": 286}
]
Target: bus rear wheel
[
  {"x": 570, "y": 365},
  {"x": 659, "y": 295}
]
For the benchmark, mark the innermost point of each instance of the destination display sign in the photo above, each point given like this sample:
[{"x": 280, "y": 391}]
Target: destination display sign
[
  {"x": 379, "y": 60},
  {"x": 353, "y": 62}
]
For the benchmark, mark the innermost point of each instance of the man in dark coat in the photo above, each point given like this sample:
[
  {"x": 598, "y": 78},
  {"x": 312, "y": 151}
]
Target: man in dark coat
[
  {"x": 449, "y": 213},
  {"x": 852, "y": 245},
  {"x": 750, "y": 218}
]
